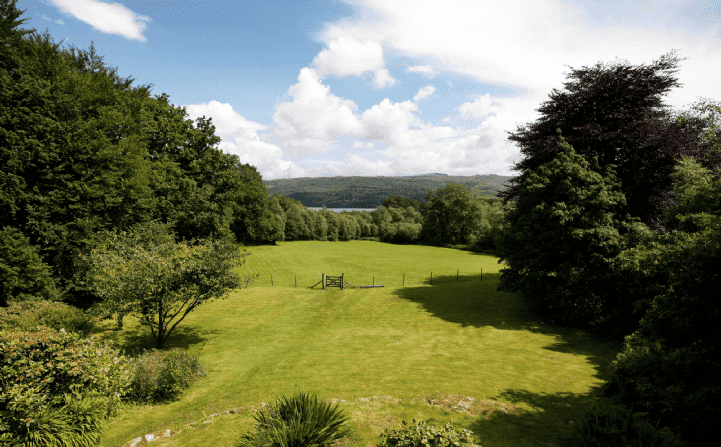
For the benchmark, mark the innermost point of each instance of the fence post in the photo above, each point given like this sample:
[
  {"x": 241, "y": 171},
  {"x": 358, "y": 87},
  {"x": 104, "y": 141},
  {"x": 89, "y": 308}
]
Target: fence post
[
  {"x": 296, "y": 280},
  {"x": 322, "y": 278},
  {"x": 342, "y": 280}
]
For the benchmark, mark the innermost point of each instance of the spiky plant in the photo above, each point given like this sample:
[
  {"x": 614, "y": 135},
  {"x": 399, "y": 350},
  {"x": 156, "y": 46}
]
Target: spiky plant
[{"x": 299, "y": 421}]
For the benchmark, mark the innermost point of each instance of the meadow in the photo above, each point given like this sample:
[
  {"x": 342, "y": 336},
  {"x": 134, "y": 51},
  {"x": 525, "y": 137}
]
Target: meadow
[{"x": 454, "y": 349}]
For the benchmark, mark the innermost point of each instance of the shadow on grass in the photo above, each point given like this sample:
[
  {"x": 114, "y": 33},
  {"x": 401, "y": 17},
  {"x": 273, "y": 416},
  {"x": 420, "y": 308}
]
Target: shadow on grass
[
  {"x": 134, "y": 340},
  {"x": 552, "y": 421},
  {"x": 476, "y": 302}
]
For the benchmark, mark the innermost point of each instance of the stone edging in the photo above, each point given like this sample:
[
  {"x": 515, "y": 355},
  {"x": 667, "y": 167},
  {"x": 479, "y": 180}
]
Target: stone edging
[{"x": 463, "y": 403}]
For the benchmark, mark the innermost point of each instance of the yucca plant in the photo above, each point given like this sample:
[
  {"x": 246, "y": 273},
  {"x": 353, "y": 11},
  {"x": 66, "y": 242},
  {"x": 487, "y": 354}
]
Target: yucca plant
[{"x": 299, "y": 421}]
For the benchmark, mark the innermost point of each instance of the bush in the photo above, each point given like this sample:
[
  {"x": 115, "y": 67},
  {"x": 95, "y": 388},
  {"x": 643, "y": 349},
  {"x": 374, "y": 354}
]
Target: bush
[
  {"x": 28, "y": 315},
  {"x": 163, "y": 374},
  {"x": 56, "y": 385},
  {"x": 23, "y": 274},
  {"x": 613, "y": 425},
  {"x": 298, "y": 421},
  {"x": 420, "y": 434}
]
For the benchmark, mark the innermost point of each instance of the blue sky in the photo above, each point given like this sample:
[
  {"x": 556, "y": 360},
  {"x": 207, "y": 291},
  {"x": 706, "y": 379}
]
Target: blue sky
[{"x": 379, "y": 87}]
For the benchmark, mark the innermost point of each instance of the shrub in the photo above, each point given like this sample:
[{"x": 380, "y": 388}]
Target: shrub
[
  {"x": 613, "y": 425},
  {"x": 56, "y": 385},
  {"x": 28, "y": 315},
  {"x": 298, "y": 421},
  {"x": 420, "y": 434},
  {"x": 163, "y": 374},
  {"x": 23, "y": 274}
]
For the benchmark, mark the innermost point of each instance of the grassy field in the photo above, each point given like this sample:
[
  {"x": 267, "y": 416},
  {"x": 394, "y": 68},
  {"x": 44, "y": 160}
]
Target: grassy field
[{"x": 422, "y": 350}]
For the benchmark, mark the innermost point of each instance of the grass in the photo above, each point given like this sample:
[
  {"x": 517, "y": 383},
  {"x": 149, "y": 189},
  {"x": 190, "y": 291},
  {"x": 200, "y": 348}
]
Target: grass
[{"x": 426, "y": 346}]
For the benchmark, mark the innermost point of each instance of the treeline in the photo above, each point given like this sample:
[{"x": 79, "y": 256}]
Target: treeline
[
  {"x": 617, "y": 229},
  {"x": 83, "y": 150},
  {"x": 452, "y": 215},
  {"x": 369, "y": 192}
]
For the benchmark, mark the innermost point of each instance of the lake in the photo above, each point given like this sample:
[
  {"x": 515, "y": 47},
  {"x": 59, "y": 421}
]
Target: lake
[{"x": 338, "y": 210}]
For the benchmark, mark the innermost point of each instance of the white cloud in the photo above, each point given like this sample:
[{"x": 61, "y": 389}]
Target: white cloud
[
  {"x": 226, "y": 120},
  {"x": 315, "y": 118},
  {"x": 359, "y": 145},
  {"x": 388, "y": 121},
  {"x": 480, "y": 107},
  {"x": 240, "y": 137},
  {"x": 112, "y": 18},
  {"x": 424, "y": 92},
  {"x": 525, "y": 44},
  {"x": 347, "y": 56},
  {"x": 423, "y": 69}
]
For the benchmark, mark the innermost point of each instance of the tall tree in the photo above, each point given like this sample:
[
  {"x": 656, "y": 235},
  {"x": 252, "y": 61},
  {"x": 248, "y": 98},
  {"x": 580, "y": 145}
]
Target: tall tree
[
  {"x": 615, "y": 112},
  {"x": 562, "y": 234}
]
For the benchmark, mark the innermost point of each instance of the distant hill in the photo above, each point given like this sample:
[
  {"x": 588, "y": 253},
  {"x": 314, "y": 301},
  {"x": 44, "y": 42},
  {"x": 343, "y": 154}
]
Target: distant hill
[{"x": 369, "y": 192}]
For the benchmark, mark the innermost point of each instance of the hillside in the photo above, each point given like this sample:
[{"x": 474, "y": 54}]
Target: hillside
[{"x": 369, "y": 192}]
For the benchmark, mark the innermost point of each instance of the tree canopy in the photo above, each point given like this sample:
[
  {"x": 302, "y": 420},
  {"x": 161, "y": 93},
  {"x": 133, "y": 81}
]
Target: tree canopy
[
  {"x": 562, "y": 234},
  {"x": 616, "y": 112},
  {"x": 83, "y": 150}
]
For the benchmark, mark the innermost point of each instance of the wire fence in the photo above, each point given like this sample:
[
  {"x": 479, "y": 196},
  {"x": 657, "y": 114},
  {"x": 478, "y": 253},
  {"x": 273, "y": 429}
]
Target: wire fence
[{"x": 369, "y": 279}]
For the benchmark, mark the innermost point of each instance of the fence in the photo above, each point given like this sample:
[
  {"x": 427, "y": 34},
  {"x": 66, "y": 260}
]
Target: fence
[{"x": 401, "y": 279}]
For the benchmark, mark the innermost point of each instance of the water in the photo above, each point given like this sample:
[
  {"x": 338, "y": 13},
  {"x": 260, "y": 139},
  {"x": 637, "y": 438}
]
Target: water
[{"x": 338, "y": 210}]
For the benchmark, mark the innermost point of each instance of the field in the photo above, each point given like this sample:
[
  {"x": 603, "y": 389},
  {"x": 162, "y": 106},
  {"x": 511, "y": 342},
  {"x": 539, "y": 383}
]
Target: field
[{"x": 439, "y": 343}]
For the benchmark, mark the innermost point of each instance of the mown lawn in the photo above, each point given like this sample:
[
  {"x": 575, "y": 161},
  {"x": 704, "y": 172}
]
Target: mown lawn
[{"x": 441, "y": 342}]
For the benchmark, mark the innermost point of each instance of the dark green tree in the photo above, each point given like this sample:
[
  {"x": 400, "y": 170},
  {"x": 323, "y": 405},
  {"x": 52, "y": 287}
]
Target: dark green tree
[
  {"x": 562, "y": 235},
  {"x": 615, "y": 112},
  {"x": 671, "y": 365},
  {"x": 401, "y": 202},
  {"x": 23, "y": 274},
  {"x": 448, "y": 215}
]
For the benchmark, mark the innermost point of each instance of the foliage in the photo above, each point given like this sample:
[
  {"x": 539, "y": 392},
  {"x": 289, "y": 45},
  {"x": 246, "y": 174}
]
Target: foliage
[
  {"x": 82, "y": 150},
  {"x": 23, "y": 274},
  {"x": 28, "y": 315},
  {"x": 401, "y": 232},
  {"x": 160, "y": 375},
  {"x": 56, "y": 385},
  {"x": 562, "y": 235},
  {"x": 671, "y": 365},
  {"x": 370, "y": 192},
  {"x": 615, "y": 112},
  {"x": 401, "y": 202},
  {"x": 447, "y": 215},
  {"x": 420, "y": 434},
  {"x": 298, "y": 421},
  {"x": 606, "y": 425},
  {"x": 158, "y": 280}
]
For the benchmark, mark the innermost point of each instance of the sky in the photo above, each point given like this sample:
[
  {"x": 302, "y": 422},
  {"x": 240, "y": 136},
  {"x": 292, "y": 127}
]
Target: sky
[{"x": 380, "y": 87}]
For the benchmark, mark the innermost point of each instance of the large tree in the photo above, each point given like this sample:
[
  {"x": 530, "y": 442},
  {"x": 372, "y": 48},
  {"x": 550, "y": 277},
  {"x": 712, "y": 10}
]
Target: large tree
[
  {"x": 562, "y": 234},
  {"x": 615, "y": 112}
]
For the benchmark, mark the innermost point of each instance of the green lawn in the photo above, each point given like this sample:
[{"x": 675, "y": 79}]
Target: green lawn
[{"x": 444, "y": 341}]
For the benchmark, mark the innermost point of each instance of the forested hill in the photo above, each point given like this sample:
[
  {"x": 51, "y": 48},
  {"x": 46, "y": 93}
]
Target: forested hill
[{"x": 369, "y": 192}]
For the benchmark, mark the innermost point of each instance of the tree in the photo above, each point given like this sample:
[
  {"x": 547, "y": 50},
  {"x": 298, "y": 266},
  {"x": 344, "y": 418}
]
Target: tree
[
  {"x": 448, "y": 215},
  {"x": 158, "y": 280},
  {"x": 401, "y": 202},
  {"x": 23, "y": 274},
  {"x": 615, "y": 112},
  {"x": 671, "y": 365},
  {"x": 562, "y": 235}
]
